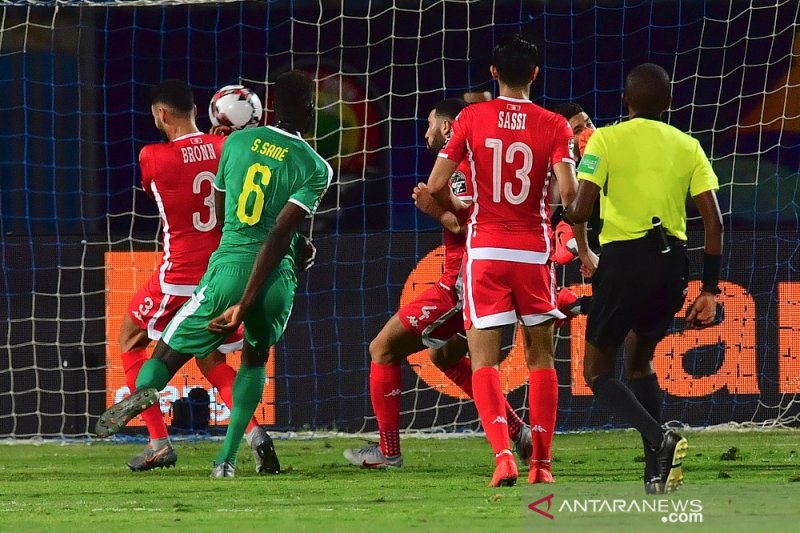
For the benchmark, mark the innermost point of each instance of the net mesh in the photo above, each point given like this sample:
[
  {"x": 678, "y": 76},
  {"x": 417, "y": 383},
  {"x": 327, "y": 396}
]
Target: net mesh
[{"x": 76, "y": 227}]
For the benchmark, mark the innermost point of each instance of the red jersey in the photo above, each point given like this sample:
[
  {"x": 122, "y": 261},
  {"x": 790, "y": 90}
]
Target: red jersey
[
  {"x": 179, "y": 175},
  {"x": 461, "y": 185},
  {"x": 511, "y": 144}
]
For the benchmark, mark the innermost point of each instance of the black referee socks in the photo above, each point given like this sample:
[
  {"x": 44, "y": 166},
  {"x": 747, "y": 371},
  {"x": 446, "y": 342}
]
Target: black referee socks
[{"x": 621, "y": 401}]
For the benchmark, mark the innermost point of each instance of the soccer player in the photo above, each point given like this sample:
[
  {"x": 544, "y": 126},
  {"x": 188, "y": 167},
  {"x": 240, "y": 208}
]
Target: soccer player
[
  {"x": 582, "y": 128},
  {"x": 512, "y": 144},
  {"x": 433, "y": 320},
  {"x": 269, "y": 179},
  {"x": 177, "y": 174},
  {"x": 644, "y": 169}
]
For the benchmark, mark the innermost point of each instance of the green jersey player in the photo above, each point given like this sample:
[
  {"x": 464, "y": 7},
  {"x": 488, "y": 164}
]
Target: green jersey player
[{"x": 268, "y": 180}]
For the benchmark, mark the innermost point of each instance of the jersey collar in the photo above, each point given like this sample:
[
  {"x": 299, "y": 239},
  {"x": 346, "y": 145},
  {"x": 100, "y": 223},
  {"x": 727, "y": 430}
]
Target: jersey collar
[
  {"x": 521, "y": 100},
  {"x": 182, "y": 137},
  {"x": 284, "y": 132}
]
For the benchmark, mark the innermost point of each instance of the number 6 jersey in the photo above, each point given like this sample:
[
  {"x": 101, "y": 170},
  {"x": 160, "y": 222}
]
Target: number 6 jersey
[
  {"x": 179, "y": 176},
  {"x": 261, "y": 170},
  {"x": 511, "y": 144}
]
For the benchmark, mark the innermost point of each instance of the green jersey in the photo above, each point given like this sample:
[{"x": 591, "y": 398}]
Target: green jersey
[{"x": 260, "y": 170}]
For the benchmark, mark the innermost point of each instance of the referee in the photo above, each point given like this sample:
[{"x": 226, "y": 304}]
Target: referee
[{"x": 644, "y": 169}]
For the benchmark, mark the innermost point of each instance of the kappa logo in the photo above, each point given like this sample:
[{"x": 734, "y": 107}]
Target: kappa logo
[
  {"x": 500, "y": 420},
  {"x": 413, "y": 321},
  {"x": 426, "y": 311},
  {"x": 394, "y": 392},
  {"x": 534, "y": 506},
  {"x": 537, "y": 428}
]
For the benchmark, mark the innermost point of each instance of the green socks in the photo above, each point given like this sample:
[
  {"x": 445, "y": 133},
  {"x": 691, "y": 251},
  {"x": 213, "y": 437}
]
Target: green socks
[
  {"x": 153, "y": 374},
  {"x": 247, "y": 391}
]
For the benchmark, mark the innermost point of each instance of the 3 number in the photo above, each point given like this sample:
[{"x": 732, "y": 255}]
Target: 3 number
[
  {"x": 249, "y": 212},
  {"x": 499, "y": 189},
  {"x": 197, "y": 188}
]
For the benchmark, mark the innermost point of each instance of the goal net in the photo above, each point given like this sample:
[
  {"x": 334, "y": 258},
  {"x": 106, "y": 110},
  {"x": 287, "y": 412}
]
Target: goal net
[{"x": 78, "y": 235}]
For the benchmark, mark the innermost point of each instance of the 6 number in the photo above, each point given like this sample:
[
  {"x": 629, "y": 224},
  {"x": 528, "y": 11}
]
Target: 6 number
[{"x": 252, "y": 185}]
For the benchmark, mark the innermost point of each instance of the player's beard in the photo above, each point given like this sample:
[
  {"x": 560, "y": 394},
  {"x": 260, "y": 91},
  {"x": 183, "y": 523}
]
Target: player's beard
[{"x": 438, "y": 144}]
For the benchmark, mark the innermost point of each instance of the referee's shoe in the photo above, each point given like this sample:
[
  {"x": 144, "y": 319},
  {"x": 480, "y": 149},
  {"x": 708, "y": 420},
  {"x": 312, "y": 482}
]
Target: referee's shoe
[{"x": 669, "y": 465}]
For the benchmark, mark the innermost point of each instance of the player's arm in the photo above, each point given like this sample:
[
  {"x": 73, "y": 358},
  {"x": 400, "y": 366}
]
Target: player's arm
[
  {"x": 438, "y": 184},
  {"x": 569, "y": 189},
  {"x": 144, "y": 169},
  {"x": 269, "y": 257},
  {"x": 702, "y": 186},
  {"x": 428, "y": 205}
]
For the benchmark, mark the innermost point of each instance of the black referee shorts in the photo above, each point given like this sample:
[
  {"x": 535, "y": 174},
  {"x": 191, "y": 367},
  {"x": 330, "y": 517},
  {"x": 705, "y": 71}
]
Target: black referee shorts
[{"x": 638, "y": 288}]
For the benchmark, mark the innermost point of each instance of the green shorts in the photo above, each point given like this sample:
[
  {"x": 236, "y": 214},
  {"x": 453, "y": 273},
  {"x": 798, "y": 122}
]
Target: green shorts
[{"x": 221, "y": 287}]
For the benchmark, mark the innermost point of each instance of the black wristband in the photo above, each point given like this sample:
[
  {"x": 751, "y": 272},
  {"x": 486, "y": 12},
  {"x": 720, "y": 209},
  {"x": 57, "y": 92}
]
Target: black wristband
[{"x": 711, "y": 268}]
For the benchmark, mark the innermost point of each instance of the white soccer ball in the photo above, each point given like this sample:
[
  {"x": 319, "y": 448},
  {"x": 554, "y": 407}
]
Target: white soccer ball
[{"x": 235, "y": 106}]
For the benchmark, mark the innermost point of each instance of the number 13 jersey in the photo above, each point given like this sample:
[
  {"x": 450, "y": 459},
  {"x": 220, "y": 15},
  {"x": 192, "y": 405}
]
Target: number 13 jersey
[
  {"x": 511, "y": 145},
  {"x": 261, "y": 170},
  {"x": 179, "y": 175}
]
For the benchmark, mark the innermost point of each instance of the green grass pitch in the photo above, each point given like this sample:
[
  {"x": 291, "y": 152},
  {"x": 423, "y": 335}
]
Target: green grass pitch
[{"x": 79, "y": 487}]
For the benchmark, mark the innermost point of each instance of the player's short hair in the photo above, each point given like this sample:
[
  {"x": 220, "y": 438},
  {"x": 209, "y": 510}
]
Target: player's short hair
[
  {"x": 175, "y": 94},
  {"x": 294, "y": 93},
  {"x": 568, "y": 109},
  {"x": 514, "y": 57},
  {"x": 647, "y": 88},
  {"x": 449, "y": 108}
]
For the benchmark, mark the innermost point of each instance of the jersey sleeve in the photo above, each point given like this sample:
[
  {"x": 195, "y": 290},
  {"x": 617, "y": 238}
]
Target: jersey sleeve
[
  {"x": 219, "y": 181},
  {"x": 144, "y": 169},
  {"x": 460, "y": 182},
  {"x": 703, "y": 176},
  {"x": 562, "y": 149},
  {"x": 309, "y": 195},
  {"x": 594, "y": 163},
  {"x": 456, "y": 147}
]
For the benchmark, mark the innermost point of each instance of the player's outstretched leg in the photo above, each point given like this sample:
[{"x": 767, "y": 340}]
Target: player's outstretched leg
[
  {"x": 153, "y": 377},
  {"x": 118, "y": 415}
]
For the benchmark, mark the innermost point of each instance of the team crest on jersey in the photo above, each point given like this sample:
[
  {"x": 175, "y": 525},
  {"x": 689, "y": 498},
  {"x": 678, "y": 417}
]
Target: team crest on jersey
[{"x": 458, "y": 183}]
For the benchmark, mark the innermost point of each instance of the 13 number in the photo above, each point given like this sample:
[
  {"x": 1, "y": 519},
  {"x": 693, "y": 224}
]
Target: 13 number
[{"x": 522, "y": 174}]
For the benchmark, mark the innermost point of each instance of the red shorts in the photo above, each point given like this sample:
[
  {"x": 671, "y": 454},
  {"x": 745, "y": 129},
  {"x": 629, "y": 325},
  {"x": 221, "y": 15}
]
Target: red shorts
[
  {"x": 435, "y": 315},
  {"x": 152, "y": 310},
  {"x": 501, "y": 292}
]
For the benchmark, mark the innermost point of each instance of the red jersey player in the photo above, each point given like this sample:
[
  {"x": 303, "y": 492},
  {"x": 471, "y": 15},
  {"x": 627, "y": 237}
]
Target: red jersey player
[
  {"x": 178, "y": 175},
  {"x": 512, "y": 143},
  {"x": 433, "y": 320}
]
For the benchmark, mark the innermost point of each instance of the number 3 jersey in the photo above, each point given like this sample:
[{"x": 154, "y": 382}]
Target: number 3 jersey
[
  {"x": 179, "y": 176},
  {"x": 511, "y": 144},
  {"x": 261, "y": 170}
]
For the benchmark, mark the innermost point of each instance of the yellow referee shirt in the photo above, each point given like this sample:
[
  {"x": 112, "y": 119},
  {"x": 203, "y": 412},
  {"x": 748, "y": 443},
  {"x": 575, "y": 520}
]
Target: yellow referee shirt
[{"x": 644, "y": 169}]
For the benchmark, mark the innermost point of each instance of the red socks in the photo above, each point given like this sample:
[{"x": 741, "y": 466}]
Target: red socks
[
  {"x": 221, "y": 376},
  {"x": 543, "y": 395},
  {"x": 491, "y": 407},
  {"x": 461, "y": 375},
  {"x": 131, "y": 363},
  {"x": 385, "y": 387}
]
